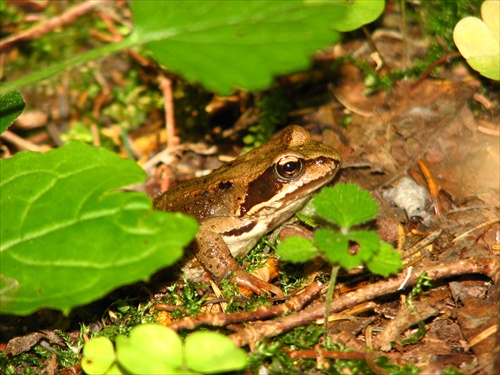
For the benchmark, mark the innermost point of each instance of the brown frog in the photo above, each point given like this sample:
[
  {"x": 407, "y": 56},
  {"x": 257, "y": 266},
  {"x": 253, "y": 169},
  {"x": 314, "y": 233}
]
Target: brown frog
[{"x": 241, "y": 201}]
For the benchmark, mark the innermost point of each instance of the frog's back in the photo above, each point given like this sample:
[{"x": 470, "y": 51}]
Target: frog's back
[
  {"x": 216, "y": 198},
  {"x": 252, "y": 180}
]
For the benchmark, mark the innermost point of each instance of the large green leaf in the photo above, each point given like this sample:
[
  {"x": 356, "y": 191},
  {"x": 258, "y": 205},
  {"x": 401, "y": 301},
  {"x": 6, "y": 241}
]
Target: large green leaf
[
  {"x": 68, "y": 237},
  {"x": 11, "y": 106},
  {"x": 227, "y": 44}
]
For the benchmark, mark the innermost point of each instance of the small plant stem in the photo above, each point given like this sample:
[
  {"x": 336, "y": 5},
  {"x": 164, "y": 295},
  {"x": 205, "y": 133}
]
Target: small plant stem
[
  {"x": 45, "y": 73},
  {"x": 404, "y": 35},
  {"x": 329, "y": 294}
]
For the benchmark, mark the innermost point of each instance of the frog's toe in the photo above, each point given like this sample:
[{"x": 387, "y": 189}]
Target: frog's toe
[{"x": 254, "y": 284}]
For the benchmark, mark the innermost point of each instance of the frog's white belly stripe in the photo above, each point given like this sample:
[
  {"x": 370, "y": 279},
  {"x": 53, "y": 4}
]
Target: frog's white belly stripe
[{"x": 241, "y": 244}]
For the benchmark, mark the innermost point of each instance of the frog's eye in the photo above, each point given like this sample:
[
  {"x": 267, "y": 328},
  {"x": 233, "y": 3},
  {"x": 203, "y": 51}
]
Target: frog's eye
[{"x": 289, "y": 168}]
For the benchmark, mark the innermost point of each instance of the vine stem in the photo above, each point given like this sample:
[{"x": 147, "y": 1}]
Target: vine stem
[
  {"x": 45, "y": 73},
  {"x": 329, "y": 294}
]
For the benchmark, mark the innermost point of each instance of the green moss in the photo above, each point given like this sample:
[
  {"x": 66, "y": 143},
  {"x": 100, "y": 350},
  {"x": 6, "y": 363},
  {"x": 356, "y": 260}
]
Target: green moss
[
  {"x": 274, "y": 107},
  {"x": 439, "y": 18}
]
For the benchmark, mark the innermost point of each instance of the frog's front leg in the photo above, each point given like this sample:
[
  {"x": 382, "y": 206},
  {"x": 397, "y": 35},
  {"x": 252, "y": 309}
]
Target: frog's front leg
[{"x": 213, "y": 253}]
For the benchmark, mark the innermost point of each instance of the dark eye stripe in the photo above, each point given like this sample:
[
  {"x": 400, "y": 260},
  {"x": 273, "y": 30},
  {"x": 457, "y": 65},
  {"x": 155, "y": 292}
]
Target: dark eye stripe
[
  {"x": 262, "y": 189},
  {"x": 267, "y": 185}
]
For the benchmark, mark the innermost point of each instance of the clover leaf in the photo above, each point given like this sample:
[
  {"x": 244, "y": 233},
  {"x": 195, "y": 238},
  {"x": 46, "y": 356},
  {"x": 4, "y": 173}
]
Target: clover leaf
[{"x": 479, "y": 40}]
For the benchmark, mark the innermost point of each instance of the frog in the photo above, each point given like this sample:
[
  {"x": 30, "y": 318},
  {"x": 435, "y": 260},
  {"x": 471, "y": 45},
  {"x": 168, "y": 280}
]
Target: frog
[{"x": 241, "y": 201}]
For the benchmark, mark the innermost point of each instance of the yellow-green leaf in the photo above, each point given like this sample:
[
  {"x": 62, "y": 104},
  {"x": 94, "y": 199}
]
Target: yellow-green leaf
[{"x": 479, "y": 42}]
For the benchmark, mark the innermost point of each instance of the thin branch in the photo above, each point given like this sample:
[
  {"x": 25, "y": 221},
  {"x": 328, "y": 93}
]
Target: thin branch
[
  {"x": 262, "y": 312},
  {"x": 49, "y": 25},
  {"x": 259, "y": 331},
  {"x": 21, "y": 143},
  {"x": 168, "y": 98},
  {"x": 441, "y": 60}
]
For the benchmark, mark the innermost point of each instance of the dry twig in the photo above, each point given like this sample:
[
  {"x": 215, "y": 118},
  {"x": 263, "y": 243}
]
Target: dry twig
[
  {"x": 166, "y": 89},
  {"x": 405, "y": 319},
  {"x": 23, "y": 144},
  {"x": 258, "y": 331},
  {"x": 432, "y": 185},
  {"x": 326, "y": 354},
  {"x": 46, "y": 27},
  {"x": 262, "y": 312}
]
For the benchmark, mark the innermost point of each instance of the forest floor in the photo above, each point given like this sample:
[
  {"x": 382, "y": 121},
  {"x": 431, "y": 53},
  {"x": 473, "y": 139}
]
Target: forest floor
[{"x": 441, "y": 130}]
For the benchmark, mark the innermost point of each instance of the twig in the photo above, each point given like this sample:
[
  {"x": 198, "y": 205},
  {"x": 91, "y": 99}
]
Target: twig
[
  {"x": 487, "y": 129},
  {"x": 373, "y": 46},
  {"x": 483, "y": 335},
  {"x": 111, "y": 27},
  {"x": 23, "y": 144},
  {"x": 429, "y": 70},
  {"x": 166, "y": 89},
  {"x": 46, "y": 27},
  {"x": 414, "y": 254},
  {"x": 325, "y": 354},
  {"x": 258, "y": 331},
  {"x": 262, "y": 312},
  {"x": 432, "y": 185},
  {"x": 405, "y": 319},
  {"x": 488, "y": 223},
  {"x": 404, "y": 34}
]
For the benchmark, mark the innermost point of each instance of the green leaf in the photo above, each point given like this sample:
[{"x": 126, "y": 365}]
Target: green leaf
[
  {"x": 114, "y": 370},
  {"x": 8, "y": 289},
  {"x": 296, "y": 249},
  {"x": 228, "y": 44},
  {"x": 386, "y": 261},
  {"x": 68, "y": 237},
  {"x": 490, "y": 12},
  {"x": 307, "y": 219},
  {"x": 11, "y": 106},
  {"x": 336, "y": 248},
  {"x": 369, "y": 243},
  {"x": 360, "y": 12},
  {"x": 345, "y": 205},
  {"x": 98, "y": 356},
  {"x": 479, "y": 41},
  {"x": 224, "y": 44},
  {"x": 150, "y": 349},
  {"x": 378, "y": 256},
  {"x": 211, "y": 352}
]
